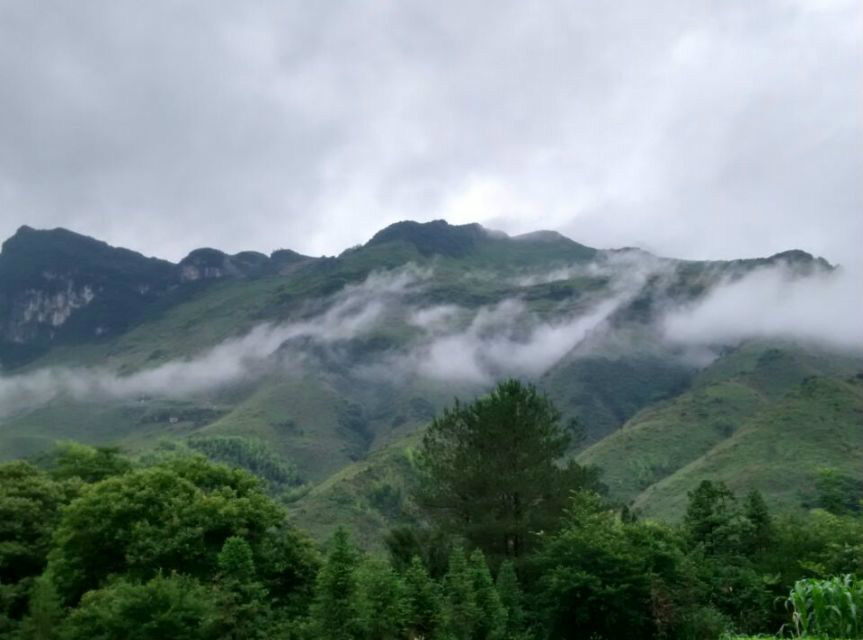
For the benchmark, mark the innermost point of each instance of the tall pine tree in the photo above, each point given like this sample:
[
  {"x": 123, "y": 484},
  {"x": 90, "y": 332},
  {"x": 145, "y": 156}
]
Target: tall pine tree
[
  {"x": 491, "y": 470},
  {"x": 334, "y": 612}
]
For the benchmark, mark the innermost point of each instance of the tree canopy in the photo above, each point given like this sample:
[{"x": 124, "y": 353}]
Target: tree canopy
[{"x": 493, "y": 470}]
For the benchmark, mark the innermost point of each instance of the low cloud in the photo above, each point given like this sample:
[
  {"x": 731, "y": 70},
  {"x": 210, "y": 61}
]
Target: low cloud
[
  {"x": 506, "y": 339},
  {"x": 479, "y": 345},
  {"x": 354, "y": 310},
  {"x": 825, "y": 308}
]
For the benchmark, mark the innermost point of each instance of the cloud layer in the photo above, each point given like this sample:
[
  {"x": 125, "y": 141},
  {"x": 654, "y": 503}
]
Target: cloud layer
[
  {"x": 825, "y": 309},
  {"x": 714, "y": 129},
  {"x": 477, "y": 346}
]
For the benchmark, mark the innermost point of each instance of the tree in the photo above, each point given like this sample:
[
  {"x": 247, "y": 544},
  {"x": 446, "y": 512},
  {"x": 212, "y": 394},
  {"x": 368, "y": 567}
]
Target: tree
[
  {"x": 334, "y": 611},
  {"x": 422, "y": 601},
  {"x": 243, "y": 606},
  {"x": 755, "y": 510},
  {"x": 163, "y": 607},
  {"x": 90, "y": 464},
  {"x": 594, "y": 582},
  {"x": 381, "y": 604},
  {"x": 491, "y": 618},
  {"x": 174, "y": 517},
  {"x": 489, "y": 470},
  {"x": 45, "y": 614},
  {"x": 460, "y": 607},
  {"x": 714, "y": 521},
  {"x": 30, "y": 504},
  {"x": 511, "y": 598}
]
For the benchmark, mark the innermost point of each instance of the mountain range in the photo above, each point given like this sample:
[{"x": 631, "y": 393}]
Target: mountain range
[{"x": 673, "y": 370}]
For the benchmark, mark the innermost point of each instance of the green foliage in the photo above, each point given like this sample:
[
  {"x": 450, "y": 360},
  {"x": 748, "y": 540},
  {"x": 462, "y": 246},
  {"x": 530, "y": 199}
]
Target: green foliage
[
  {"x": 173, "y": 517},
  {"x": 511, "y": 597},
  {"x": 243, "y": 608},
  {"x": 714, "y": 521},
  {"x": 251, "y": 454},
  {"x": 832, "y": 608},
  {"x": 460, "y": 606},
  {"x": 837, "y": 493},
  {"x": 491, "y": 620},
  {"x": 45, "y": 613},
  {"x": 30, "y": 503},
  {"x": 162, "y": 607},
  {"x": 423, "y": 613},
  {"x": 191, "y": 549},
  {"x": 335, "y": 610},
  {"x": 382, "y": 607},
  {"x": 593, "y": 579},
  {"x": 89, "y": 464},
  {"x": 489, "y": 470},
  {"x": 755, "y": 510}
]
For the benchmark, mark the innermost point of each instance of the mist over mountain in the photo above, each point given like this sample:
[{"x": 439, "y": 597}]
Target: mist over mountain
[{"x": 373, "y": 341}]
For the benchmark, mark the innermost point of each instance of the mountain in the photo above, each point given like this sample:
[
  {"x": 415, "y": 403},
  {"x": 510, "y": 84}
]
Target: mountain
[
  {"x": 335, "y": 364},
  {"x": 59, "y": 287}
]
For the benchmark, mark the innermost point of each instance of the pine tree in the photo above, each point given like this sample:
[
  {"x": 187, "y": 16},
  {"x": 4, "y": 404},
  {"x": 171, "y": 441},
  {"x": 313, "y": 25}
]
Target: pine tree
[
  {"x": 243, "y": 609},
  {"x": 491, "y": 620},
  {"x": 511, "y": 598},
  {"x": 489, "y": 470},
  {"x": 381, "y": 601},
  {"x": 756, "y": 511},
  {"x": 334, "y": 611},
  {"x": 460, "y": 607},
  {"x": 422, "y": 601}
]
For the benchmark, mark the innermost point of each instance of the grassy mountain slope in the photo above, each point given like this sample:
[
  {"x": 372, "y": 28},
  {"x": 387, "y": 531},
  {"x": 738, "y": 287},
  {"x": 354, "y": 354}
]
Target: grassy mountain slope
[
  {"x": 666, "y": 437},
  {"x": 778, "y": 451},
  {"x": 372, "y": 495}
]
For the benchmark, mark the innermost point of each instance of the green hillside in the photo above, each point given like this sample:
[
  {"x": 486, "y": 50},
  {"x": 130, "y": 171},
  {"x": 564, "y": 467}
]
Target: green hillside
[{"x": 779, "y": 450}]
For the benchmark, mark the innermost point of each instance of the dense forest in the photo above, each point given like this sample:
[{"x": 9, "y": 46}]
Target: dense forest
[{"x": 516, "y": 541}]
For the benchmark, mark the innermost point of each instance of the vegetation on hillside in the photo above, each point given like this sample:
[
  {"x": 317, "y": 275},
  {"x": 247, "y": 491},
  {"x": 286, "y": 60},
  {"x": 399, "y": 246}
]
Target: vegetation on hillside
[{"x": 94, "y": 545}]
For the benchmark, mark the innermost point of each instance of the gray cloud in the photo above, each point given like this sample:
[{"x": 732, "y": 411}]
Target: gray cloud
[{"x": 703, "y": 130}]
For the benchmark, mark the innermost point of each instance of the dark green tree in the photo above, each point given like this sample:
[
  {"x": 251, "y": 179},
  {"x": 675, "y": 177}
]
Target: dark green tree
[
  {"x": 162, "y": 607},
  {"x": 755, "y": 510},
  {"x": 491, "y": 470},
  {"x": 382, "y": 608},
  {"x": 30, "y": 504},
  {"x": 174, "y": 518},
  {"x": 459, "y": 599},
  {"x": 45, "y": 613},
  {"x": 491, "y": 618},
  {"x": 423, "y": 615},
  {"x": 593, "y": 581},
  {"x": 242, "y": 599},
  {"x": 335, "y": 611},
  {"x": 714, "y": 521},
  {"x": 89, "y": 464},
  {"x": 511, "y": 597}
]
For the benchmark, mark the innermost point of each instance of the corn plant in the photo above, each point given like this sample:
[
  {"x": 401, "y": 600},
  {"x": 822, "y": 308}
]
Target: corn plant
[{"x": 831, "y": 608}]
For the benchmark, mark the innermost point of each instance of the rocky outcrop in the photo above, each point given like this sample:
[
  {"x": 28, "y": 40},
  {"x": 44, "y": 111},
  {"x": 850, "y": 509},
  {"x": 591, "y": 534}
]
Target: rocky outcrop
[{"x": 59, "y": 286}]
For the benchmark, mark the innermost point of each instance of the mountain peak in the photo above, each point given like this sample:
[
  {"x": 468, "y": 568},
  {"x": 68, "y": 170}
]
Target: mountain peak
[{"x": 437, "y": 236}]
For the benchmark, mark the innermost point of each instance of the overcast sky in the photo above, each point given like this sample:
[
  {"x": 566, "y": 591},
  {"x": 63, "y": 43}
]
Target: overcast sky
[{"x": 693, "y": 129}]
